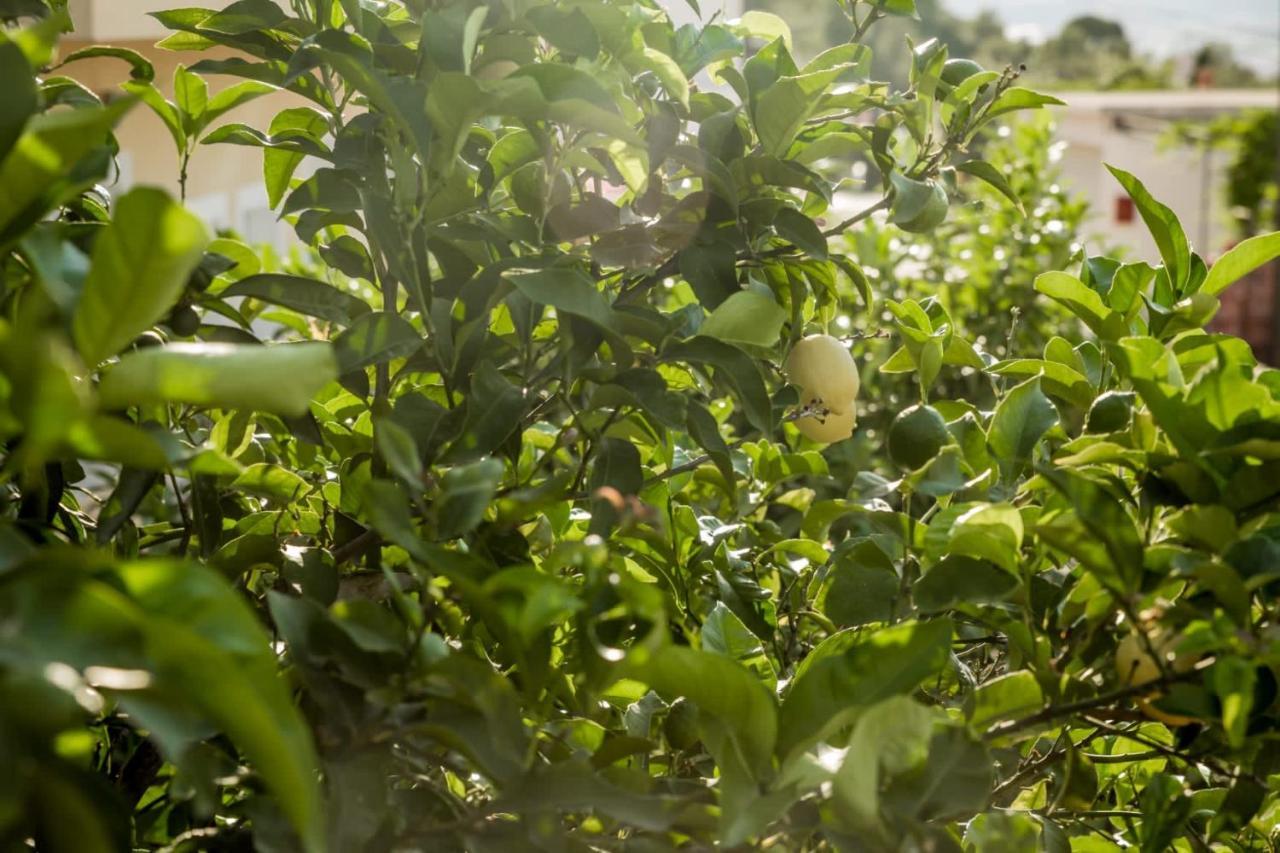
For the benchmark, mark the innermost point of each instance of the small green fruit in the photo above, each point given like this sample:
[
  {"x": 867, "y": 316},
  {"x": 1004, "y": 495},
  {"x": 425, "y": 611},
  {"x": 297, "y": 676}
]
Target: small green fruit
[
  {"x": 1111, "y": 412},
  {"x": 681, "y": 725},
  {"x": 184, "y": 321},
  {"x": 916, "y": 436},
  {"x": 955, "y": 72},
  {"x": 933, "y": 214}
]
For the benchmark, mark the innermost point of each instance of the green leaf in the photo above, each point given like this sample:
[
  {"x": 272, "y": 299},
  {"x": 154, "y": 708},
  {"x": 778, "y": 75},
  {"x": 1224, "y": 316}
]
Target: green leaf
[
  {"x": 191, "y": 97},
  {"x": 140, "y": 68},
  {"x": 1082, "y": 301},
  {"x": 304, "y": 295},
  {"x": 165, "y": 110},
  {"x": 210, "y": 647},
  {"x": 1021, "y": 419},
  {"x": 850, "y": 671},
  {"x": 766, "y": 26},
  {"x": 278, "y": 165},
  {"x": 734, "y": 366},
  {"x": 1166, "y": 230},
  {"x": 271, "y": 481},
  {"x": 801, "y": 231},
  {"x": 984, "y": 171},
  {"x": 991, "y": 532},
  {"x": 861, "y": 587},
  {"x": 1233, "y": 681},
  {"x": 19, "y": 99},
  {"x": 397, "y": 447},
  {"x": 116, "y": 440},
  {"x": 205, "y": 658},
  {"x": 467, "y": 491},
  {"x": 1057, "y": 379},
  {"x": 1018, "y": 98},
  {"x": 570, "y": 291},
  {"x": 780, "y": 112},
  {"x": 139, "y": 269},
  {"x": 244, "y": 16},
  {"x": 1008, "y": 697},
  {"x": 725, "y": 634},
  {"x": 35, "y": 172},
  {"x": 1239, "y": 261},
  {"x": 233, "y": 96},
  {"x": 281, "y": 378},
  {"x": 890, "y": 738},
  {"x": 747, "y": 316},
  {"x": 667, "y": 70},
  {"x": 494, "y": 410},
  {"x": 375, "y": 338},
  {"x": 722, "y": 689},
  {"x": 956, "y": 581},
  {"x": 1098, "y": 531},
  {"x": 705, "y": 430}
]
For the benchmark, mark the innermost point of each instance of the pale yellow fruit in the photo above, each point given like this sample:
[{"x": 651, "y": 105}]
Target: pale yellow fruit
[
  {"x": 1135, "y": 666},
  {"x": 830, "y": 427},
  {"x": 823, "y": 369},
  {"x": 496, "y": 70}
]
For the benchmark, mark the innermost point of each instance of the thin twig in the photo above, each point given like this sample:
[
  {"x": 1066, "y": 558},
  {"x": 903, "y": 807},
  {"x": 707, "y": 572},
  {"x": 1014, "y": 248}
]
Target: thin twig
[
  {"x": 1053, "y": 712},
  {"x": 857, "y": 217}
]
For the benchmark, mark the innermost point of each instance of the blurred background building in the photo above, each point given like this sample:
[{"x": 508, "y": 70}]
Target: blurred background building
[{"x": 224, "y": 183}]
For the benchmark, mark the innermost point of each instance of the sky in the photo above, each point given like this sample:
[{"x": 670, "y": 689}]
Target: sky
[{"x": 1160, "y": 27}]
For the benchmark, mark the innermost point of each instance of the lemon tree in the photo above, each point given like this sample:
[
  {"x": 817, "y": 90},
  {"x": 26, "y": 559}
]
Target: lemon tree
[{"x": 590, "y": 478}]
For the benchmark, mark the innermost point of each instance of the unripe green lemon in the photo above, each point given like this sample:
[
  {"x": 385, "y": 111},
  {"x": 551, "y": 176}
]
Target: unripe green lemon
[
  {"x": 828, "y": 428},
  {"x": 822, "y": 368},
  {"x": 916, "y": 435},
  {"x": 933, "y": 214},
  {"x": 681, "y": 724},
  {"x": 1111, "y": 412},
  {"x": 184, "y": 321},
  {"x": 955, "y": 72}
]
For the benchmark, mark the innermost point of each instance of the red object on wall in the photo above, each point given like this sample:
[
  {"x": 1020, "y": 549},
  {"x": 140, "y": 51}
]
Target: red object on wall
[{"x": 1124, "y": 208}]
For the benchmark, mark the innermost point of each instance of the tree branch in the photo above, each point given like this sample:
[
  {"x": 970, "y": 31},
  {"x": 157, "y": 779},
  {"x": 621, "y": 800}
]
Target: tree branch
[{"x": 1053, "y": 712}]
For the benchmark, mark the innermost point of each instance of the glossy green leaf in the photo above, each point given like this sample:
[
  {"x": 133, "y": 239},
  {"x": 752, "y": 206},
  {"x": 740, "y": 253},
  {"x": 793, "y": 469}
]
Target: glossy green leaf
[
  {"x": 855, "y": 669},
  {"x": 1166, "y": 230},
  {"x": 1240, "y": 260},
  {"x": 304, "y": 295},
  {"x": 747, "y": 316},
  {"x": 282, "y": 378},
  {"x": 140, "y": 266}
]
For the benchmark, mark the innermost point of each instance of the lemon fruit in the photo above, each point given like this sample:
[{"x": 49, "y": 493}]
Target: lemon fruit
[
  {"x": 916, "y": 436},
  {"x": 933, "y": 214},
  {"x": 1111, "y": 412},
  {"x": 681, "y": 725},
  {"x": 1136, "y": 665},
  {"x": 955, "y": 72},
  {"x": 828, "y": 428},
  {"x": 823, "y": 369}
]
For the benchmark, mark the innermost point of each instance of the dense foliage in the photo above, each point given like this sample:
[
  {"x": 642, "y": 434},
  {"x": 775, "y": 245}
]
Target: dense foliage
[
  {"x": 1089, "y": 51},
  {"x": 497, "y": 531}
]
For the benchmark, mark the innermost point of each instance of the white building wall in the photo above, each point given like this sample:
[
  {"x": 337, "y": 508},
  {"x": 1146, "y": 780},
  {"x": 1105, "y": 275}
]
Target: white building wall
[{"x": 1130, "y": 130}]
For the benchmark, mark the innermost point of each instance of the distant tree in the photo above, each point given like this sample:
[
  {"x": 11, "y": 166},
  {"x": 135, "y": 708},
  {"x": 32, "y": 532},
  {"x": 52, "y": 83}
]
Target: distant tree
[
  {"x": 1216, "y": 66},
  {"x": 1252, "y": 140}
]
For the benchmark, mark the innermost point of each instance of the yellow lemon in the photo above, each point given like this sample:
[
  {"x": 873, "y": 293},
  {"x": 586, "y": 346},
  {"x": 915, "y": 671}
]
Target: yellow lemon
[
  {"x": 823, "y": 369},
  {"x": 828, "y": 428},
  {"x": 1135, "y": 665}
]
